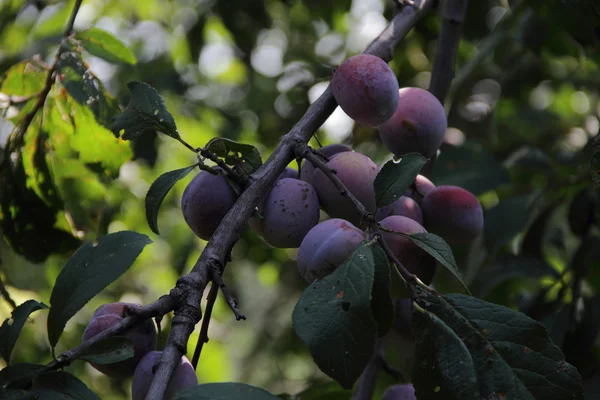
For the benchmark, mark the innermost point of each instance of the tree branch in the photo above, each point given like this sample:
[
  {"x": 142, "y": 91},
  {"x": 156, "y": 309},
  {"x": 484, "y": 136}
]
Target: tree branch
[
  {"x": 447, "y": 45},
  {"x": 203, "y": 337},
  {"x": 233, "y": 224}
]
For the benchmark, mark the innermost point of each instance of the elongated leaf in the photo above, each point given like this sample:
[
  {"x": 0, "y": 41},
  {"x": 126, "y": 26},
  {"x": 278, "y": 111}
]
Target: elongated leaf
[
  {"x": 238, "y": 155},
  {"x": 146, "y": 111},
  {"x": 511, "y": 354},
  {"x": 11, "y": 328},
  {"x": 334, "y": 318},
  {"x": 65, "y": 385},
  {"x": 104, "y": 45},
  {"x": 87, "y": 272},
  {"x": 157, "y": 192},
  {"x": 396, "y": 176},
  {"x": 20, "y": 375},
  {"x": 108, "y": 351},
  {"x": 224, "y": 391},
  {"x": 381, "y": 301}
]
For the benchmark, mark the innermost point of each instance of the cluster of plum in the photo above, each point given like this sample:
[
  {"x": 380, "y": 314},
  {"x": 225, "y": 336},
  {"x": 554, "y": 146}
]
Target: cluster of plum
[{"x": 145, "y": 357}]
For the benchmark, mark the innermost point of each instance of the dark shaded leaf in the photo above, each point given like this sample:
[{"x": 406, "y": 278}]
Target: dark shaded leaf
[
  {"x": 327, "y": 391},
  {"x": 61, "y": 385},
  {"x": 507, "y": 219},
  {"x": 88, "y": 272},
  {"x": 157, "y": 192},
  {"x": 224, "y": 391},
  {"x": 595, "y": 169},
  {"x": 334, "y": 318},
  {"x": 108, "y": 351},
  {"x": 239, "y": 155},
  {"x": 19, "y": 376},
  {"x": 440, "y": 250},
  {"x": 381, "y": 303},
  {"x": 511, "y": 354},
  {"x": 146, "y": 111},
  {"x": 471, "y": 168},
  {"x": 104, "y": 45},
  {"x": 11, "y": 328},
  {"x": 396, "y": 176}
]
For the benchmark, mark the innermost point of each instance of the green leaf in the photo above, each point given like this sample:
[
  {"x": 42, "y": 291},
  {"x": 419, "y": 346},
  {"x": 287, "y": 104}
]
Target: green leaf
[
  {"x": 104, "y": 45},
  {"x": 334, "y": 318},
  {"x": 396, "y": 176},
  {"x": 507, "y": 219},
  {"x": 23, "y": 79},
  {"x": 11, "y": 328},
  {"x": 511, "y": 354},
  {"x": 382, "y": 305},
  {"x": 61, "y": 385},
  {"x": 146, "y": 111},
  {"x": 85, "y": 87},
  {"x": 108, "y": 351},
  {"x": 241, "y": 156},
  {"x": 469, "y": 167},
  {"x": 157, "y": 192},
  {"x": 440, "y": 250},
  {"x": 224, "y": 391},
  {"x": 88, "y": 272},
  {"x": 20, "y": 375}
]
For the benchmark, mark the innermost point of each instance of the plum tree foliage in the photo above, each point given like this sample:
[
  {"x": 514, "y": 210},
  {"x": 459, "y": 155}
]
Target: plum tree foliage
[{"x": 425, "y": 198}]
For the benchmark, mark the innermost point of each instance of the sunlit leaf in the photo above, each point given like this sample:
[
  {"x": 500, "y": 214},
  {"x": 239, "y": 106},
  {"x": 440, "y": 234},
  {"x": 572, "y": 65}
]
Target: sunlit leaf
[{"x": 104, "y": 45}]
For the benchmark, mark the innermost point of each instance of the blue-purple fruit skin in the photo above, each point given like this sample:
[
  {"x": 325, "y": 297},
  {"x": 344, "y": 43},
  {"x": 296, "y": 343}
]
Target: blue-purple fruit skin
[
  {"x": 400, "y": 392},
  {"x": 290, "y": 210},
  {"x": 418, "y": 124},
  {"x": 414, "y": 259},
  {"x": 453, "y": 213},
  {"x": 205, "y": 201},
  {"x": 404, "y": 206},
  {"x": 403, "y": 317},
  {"x": 183, "y": 377},
  {"x": 326, "y": 247},
  {"x": 288, "y": 173},
  {"x": 308, "y": 170},
  {"x": 366, "y": 88},
  {"x": 423, "y": 186},
  {"x": 357, "y": 172},
  {"x": 143, "y": 337}
]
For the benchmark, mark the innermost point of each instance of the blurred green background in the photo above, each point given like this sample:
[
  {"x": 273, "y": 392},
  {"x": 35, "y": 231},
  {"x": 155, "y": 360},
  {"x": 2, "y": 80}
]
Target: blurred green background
[{"x": 523, "y": 111}]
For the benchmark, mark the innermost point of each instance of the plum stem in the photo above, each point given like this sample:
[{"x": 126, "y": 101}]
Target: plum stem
[
  {"x": 217, "y": 278},
  {"x": 307, "y": 152},
  {"x": 410, "y": 279}
]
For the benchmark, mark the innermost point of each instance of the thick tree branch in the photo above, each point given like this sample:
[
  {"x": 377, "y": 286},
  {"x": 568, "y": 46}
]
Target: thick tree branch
[
  {"x": 233, "y": 224},
  {"x": 447, "y": 45}
]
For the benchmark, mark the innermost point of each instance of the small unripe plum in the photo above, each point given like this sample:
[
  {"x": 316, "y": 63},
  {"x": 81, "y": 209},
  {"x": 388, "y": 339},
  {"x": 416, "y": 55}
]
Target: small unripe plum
[
  {"x": 416, "y": 260},
  {"x": 453, "y": 213},
  {"x": 357, "y": 172},
  {"x": 205, "y": 202},
  {"x": 404, "y": 206},
  {"x": 308, "y": 170},
  {"x": 418, "y": 124},
  {"x": 422, "y": 186},
  {"x": 290, "y": 210},
  {"x": 183, "y": 377},
  {"x": 400, "y": 392},
  {"x": 366, "y": 88},
  {"x": 143, "y": 337},
  {"x": 326, "y": 247},
  {"x": 403, "y": 317},
  {"x": 288, "y": 173}
]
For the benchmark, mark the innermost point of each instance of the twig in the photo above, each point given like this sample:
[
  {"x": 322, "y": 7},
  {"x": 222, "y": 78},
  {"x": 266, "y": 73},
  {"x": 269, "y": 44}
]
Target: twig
[
  {"x": 16, "y": 139},
  {"x": 6, "y": 295},
  {"x": 390, "y": 369},
  {"x": 409, "y": 278},
  {"x": 305, "y": 151},
  {"x": 218, "y": 280},
  {"x": 203, "y": 338},
  {"x": 242, "y": 180},
  {"x": 231, "y": 227},
  {"x": 365, "y": 387}
]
